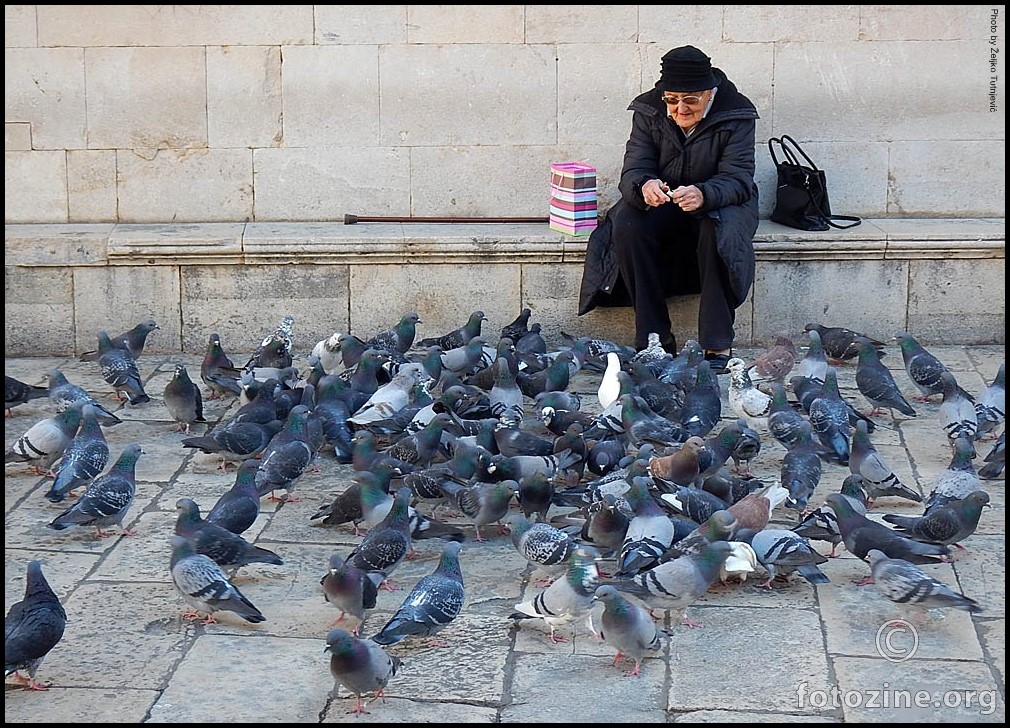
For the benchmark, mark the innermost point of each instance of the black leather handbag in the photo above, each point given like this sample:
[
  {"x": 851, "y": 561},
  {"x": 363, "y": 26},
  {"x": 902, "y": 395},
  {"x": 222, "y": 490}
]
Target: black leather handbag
[{"x": 801, "y": 196}]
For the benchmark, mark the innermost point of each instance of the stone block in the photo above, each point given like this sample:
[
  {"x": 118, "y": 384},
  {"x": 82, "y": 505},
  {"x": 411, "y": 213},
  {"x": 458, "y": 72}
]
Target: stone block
[
  {"x": 45, "y": 86},
  {"x": 35, "y": 188},
  {"x": 91, "y": 188},
  {"x": 360, "y": 24},
  {"x": 244, "y": 103}
]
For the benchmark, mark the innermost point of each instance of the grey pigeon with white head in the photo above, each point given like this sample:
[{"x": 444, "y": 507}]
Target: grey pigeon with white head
[
  {"x": 183, "y": 399},
  {"x": 747, "y": 401},
  {"x": 360, "y": 666},
  {"x": 905, "y": 583},
  {"x": 205, "y": 587},
  {"x": 108, "y": 498},
  {"x": 84, "y": 458},
  {"x": 44, "y": 443},
  {"x": 32, "y": 628},
  {"x": 120, "y": 371},
  {"x": 275, "y": 350},
  {"x": 434, "y": 602},
  {"x": 63, "y": 392},
  {"x": 627, "y": 627}
]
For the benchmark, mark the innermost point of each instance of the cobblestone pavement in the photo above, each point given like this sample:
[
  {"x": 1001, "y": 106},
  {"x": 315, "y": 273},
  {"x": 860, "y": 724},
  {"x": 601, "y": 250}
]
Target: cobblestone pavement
[{"x": 794, "y": 653}]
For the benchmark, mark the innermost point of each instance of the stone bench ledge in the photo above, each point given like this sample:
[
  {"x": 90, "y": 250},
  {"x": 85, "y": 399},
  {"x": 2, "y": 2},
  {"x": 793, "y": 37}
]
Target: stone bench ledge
[{"x": 396, "y": 243}]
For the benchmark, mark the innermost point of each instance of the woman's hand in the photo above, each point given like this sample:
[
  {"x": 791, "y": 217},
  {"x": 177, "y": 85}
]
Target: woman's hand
[
  {"x": 688, "y": 198},
  {"x": 654, "y": 192}
]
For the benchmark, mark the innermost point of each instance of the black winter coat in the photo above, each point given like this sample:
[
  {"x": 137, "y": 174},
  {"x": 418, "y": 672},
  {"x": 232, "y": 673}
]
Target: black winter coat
[{"x": 718, "y": 158}]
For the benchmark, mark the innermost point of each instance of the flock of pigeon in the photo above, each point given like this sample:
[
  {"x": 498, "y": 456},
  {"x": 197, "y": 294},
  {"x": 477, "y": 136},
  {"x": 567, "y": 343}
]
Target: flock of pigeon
[{"x": 641, "y": 479}]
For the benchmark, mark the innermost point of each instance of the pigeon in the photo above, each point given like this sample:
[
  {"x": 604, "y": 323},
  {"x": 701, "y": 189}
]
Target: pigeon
[
  {"x": 132, "y": 341},
  {"x": 183, "y": 399},
  {"x": 641, "y": 425},
  {"x": 326, "y": 354},
  {"x": 205, "y": 587},
  {"x": 236, "y": 441},
  {"x": 801, "y": 470},
  {"x": 605, "y": 526},
  {"x": 397, "y": 339},
  {"x": 807, "y": 390},
  {"x": 922, "y": 367},
  {"x": 814, "y": 364},
  {"x": 746, "y": 449},
  {"x": 431, "y": 605},
  {"x": 774, "y": 363},
  {"x": 681, "y": 466},
  {"x": 785, "y": 424},
  {"x": 653, "y": 352},
  {"x": 702, "y": 405},
  {"x": 720, "y": 526},
  {"x": 990, "y": 404},
  {"x": 516, "y": 467},
  {"x": 108, "y": 497},
  {"x": 837, "y": 341},
  {"x": 360, "y": 666},
  {"x": 860, "y": 535},
  {"x": 533, "y": 342},
  {"x": 346, "y": 506},
  {"x": 829, "y": 419},
  {"x": 610, "y": 385},
  {"x": 275, "y": 351},
  {"x": 32, "y": 628},
  {"x": 781, "y": 552},
  {"x": 541, "y": 544},
  {"x": 391, "y": 397},
  {"x": 218, "y": 371},
  {"x": 535, "y": 495},
  {"x": 518, "y": 327},
  {"x": 755, "y": 509},
  {"x": 286, "y": 457},
  {"x": 483, "y": 502},
  {"x": 568, "y": 599},
  {"x": 84, "y": 458},
  {"x": 505, "y": 397},
  {"x": 351, "y": 590},
  {"x": 650, "y": 531},
  {"x": 457, "y": 337},
  {"x": 238, "y": 507},
  {"x": 995, "y": 459},
  {"x": 17, "y": 392},
  {"x": 947, "y": 524},
  {"x": 957, "y": 481},
  {"x": 120, "y": 371},
  {"x": 694, "y": 503},
  {"x": 44, "y": 443},
  {"x": 879, "y": 478},
  {"x": 957, "y": 412},
  {"x": 875, "y": 381},
  {"x": 677, "y": 584},
  {"x": 626, "y": 627},
  {"x": 747, "y": 401},
  {"x": 905, "y": 583},
  {"x": 555, "y": 378},
  {"x": 386, "y": 544},
  {"x": 63, "y": 392},
  {"x": 821, "y": 524},
  {"x": 226, "y": 548}
]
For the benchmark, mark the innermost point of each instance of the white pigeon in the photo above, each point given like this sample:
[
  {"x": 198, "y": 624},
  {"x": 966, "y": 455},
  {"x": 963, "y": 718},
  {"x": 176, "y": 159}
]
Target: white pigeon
[
  {"x": 326, "y": 354},
  {"x": 747, "y": 401},
  {"x": 610, "y": 385},
  {"x": 740, "y": 561}
]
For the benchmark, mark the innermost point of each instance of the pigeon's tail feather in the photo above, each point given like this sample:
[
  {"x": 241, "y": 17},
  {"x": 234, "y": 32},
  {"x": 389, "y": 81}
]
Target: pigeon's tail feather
[
  {"x": 140, "y": 399},
  {"x": 813, "y": 574}
]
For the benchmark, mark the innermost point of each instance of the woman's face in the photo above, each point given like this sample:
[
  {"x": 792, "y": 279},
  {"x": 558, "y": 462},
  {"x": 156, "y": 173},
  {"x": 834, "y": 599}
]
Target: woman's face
[{"x": 686, "y": 108}]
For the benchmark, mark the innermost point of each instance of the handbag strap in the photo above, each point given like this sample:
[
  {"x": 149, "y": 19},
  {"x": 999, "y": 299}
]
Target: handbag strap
[{"x": 792, "y": 156}]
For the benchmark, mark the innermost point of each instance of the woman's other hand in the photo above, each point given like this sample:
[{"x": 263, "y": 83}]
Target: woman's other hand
[{"x": 655, "y": 192}]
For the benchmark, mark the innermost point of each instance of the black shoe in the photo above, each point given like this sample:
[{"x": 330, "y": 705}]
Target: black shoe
[
  {"x": 717, "y": 362},
  {"x": 670, "y": 345}
]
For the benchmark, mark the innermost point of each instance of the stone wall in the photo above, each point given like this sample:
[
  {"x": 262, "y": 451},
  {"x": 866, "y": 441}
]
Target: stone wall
[{"x": 238, "y": 113}]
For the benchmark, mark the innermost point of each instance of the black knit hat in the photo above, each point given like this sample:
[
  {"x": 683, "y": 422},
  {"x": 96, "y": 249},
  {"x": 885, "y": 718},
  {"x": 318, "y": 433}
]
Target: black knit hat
[{"x": 686, "y": 69}]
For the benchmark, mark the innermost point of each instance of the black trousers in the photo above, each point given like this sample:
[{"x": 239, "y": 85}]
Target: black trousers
[{"x": 663, "y": 252}]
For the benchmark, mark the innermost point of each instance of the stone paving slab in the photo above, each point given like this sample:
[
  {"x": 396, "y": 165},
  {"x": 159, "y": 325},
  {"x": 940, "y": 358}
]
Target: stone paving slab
[{"x": 779, "y": 655}]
